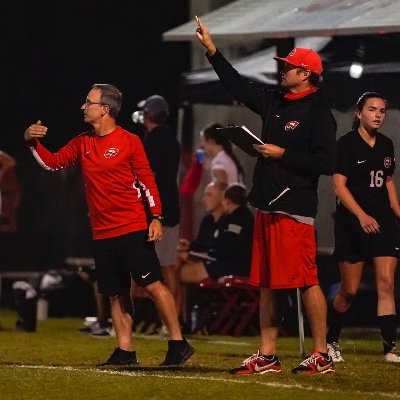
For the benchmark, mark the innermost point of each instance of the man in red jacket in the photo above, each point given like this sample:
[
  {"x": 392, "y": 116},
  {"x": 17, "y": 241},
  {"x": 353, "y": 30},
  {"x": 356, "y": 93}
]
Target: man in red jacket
[{"x": 113, "y": 161}]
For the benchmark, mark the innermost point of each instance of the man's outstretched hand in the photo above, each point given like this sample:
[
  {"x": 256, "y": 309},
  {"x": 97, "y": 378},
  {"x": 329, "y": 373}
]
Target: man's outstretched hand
[
  {"x": 35, "y": 131},
  {"x": 204, "y": 37}
]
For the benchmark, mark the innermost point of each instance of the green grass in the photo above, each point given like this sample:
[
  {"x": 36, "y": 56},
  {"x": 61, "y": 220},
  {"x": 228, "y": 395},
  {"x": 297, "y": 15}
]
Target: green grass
[{"x": 57, "y": 362}]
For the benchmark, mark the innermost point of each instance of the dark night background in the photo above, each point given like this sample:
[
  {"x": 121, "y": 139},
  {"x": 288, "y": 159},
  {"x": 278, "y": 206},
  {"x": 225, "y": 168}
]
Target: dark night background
[{"x": 52, "y": 52}]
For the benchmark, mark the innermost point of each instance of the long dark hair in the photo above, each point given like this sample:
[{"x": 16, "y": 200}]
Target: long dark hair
[
  {"x": 360, "y": 105},
  {"x": 211, "y": 132}
]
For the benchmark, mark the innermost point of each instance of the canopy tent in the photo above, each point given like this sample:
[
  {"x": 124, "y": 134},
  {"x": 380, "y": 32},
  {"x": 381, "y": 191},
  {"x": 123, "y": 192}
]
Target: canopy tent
[
  {"x": 246, "y": 20},
  {"x": 363, "y": 31}
]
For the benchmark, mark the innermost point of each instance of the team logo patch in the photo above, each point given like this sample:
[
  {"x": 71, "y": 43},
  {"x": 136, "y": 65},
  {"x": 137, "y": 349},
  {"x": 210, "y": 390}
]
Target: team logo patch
[
  {"x": 291, "y": 125},
  {"x": 111, "y": 152},
  {"x": 387, "y": 162}
]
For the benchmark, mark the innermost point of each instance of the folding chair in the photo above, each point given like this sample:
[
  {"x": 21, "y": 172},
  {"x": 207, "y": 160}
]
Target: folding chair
[
  {"x": 217, "y": 306},
  {"x": 245, "y": 315},
  {"x": 209, "y": 305}
]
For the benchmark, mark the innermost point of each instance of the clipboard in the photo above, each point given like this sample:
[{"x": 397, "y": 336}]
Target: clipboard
[{"x": 243, "y": 138}]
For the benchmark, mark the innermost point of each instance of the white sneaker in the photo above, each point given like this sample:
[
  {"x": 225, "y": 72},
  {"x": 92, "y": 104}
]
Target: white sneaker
[
  {"x": 89, "y": 327},
  {"x": 335, "y": 352},
  {"x": 101, "y": 332},
  {"x": 393, "y": 356}
]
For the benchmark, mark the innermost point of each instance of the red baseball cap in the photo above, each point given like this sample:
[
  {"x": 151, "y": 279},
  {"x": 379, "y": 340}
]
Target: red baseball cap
[{"x": 305, "y": 58}]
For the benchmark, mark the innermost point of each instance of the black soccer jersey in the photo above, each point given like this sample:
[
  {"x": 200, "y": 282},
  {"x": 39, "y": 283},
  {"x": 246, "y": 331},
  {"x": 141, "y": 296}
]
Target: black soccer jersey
[{"x": 366, "y": 169}]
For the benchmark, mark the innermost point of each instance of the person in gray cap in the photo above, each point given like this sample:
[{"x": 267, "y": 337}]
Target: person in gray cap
[
  {"x": 163, "y": 151},
  {"x": 155, "y": 105}
]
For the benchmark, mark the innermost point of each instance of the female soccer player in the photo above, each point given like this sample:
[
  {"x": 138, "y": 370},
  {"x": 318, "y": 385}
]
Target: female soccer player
[{"x": 365, "y": 225}]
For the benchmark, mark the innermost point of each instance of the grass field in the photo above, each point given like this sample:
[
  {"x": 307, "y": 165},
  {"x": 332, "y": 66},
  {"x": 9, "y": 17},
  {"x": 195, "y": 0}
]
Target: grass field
[{"x": 57, "y": 362}]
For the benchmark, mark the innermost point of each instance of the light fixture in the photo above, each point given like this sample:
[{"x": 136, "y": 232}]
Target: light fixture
[{"x": 356, "y": 70}]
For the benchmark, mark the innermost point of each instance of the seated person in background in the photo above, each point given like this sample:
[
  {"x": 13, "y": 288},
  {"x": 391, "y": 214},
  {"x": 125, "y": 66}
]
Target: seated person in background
[
  {"x": 207, "y": 236},
  {"x": 210, "y": 226},
  {"x": 230, "y": 254}
]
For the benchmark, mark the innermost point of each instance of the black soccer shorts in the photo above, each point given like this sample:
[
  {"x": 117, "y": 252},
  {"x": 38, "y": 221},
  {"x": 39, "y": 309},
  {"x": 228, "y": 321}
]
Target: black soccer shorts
[
  {"x": 119, "y": 258},
  {"x": 354, "y": 245}
]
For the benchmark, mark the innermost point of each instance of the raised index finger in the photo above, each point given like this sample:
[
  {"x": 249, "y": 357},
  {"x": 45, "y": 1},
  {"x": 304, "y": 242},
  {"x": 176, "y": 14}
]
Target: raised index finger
[{"x": 199, "y": 23}]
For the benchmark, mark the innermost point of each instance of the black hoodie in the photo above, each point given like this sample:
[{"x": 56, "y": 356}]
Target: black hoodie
[{"x": 305, "y": 128}]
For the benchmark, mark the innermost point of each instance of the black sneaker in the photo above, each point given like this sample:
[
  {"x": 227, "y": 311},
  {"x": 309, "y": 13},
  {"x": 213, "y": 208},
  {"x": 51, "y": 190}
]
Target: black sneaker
[
  {"x": 121, "y": 357},
  {"x": 178, "y": 352}
]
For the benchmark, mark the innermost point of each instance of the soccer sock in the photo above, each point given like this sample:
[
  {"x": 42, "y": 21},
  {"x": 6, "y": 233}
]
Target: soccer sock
[
  {"x": 325, "y": 355},
  {"x": 388, "y": 325},
  {"x": 335, "y": 321},
  {"x": 177, "y": 345},
  {"x": 269, "y": 356},
  {"x": 127, "y": 356},
  {"x": 126, "y": 352}
]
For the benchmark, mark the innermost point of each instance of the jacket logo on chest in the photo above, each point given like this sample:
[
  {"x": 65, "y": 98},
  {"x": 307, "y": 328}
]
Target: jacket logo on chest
[
  {"x": 291, "y": 125},
  {"x": 111, "y": 152},
  {"x": 387, "y": 162}
]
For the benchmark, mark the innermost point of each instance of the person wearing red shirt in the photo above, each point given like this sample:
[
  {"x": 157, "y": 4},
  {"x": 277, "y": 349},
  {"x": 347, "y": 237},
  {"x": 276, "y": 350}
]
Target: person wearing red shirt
[{"x": 114, "y": 163}]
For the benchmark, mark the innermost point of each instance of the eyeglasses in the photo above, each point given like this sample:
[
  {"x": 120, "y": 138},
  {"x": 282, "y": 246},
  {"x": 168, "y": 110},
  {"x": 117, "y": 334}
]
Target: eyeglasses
[{"x": 88, "y": 103}]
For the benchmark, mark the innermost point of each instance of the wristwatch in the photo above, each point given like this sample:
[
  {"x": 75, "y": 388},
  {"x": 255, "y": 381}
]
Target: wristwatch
[{"x": 159, "y": 217}]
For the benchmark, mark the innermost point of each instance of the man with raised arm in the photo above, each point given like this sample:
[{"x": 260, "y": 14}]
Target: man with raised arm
[{"x": 298, "y": 130}]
